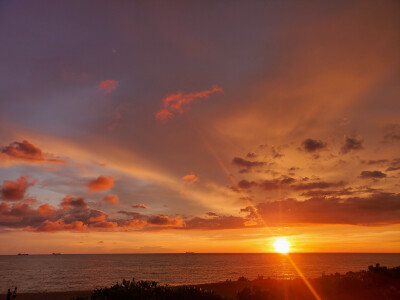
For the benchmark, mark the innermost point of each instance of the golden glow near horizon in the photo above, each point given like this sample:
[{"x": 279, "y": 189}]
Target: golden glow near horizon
[{"x": 282, "y": 245}]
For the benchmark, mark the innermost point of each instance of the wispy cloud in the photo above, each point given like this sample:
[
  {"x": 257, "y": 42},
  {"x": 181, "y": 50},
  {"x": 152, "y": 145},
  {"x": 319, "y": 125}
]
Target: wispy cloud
[
  {"x": 139, "y": 206},
  {"x": 180, "y": 102},
  {"x": 190, "y": 179},
  {"x": 108, "y": 86}
]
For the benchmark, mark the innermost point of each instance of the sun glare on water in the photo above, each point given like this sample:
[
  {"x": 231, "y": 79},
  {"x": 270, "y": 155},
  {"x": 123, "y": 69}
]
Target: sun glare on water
[{"x": 282, "y": 245}]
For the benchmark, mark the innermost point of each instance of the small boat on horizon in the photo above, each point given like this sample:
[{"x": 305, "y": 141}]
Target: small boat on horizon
[
  {"x": 189, "y": 252},
  {"x": 22, "y": 254},
  {"x": 56, "y": 253}
]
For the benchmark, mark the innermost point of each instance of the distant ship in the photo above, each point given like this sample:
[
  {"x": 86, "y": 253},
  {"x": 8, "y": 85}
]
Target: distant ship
[
  {"x": 56, "y": 253},
  {"x": 23, "y": 254},
  {"x": 189, "y": 252}
]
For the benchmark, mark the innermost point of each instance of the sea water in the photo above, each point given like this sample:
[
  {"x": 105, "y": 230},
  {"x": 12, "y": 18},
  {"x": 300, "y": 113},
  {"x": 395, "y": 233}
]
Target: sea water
[{"x": 40, "y": 273}]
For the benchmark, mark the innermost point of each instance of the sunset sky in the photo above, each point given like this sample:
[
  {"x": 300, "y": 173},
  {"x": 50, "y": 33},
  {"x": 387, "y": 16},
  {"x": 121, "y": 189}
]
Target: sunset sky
[{"x": 206, "y": 126}]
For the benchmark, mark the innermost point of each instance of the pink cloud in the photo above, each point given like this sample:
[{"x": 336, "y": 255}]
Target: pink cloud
[
  {"x": 112, "y": 199},
  {"x": 73, "y": 202},
  {"x": 15, "y": 190},
  {"x": 60, "y": 225},
  {"x": 139, "y": 206},
  {"x": 190, "y": 179},
  {"x": 163, "y": 220},
  {"x": 108, "y": 85},
  {"x": 101, "y": 222},
  {"x": 179, "y": 102},
  {"x": 26, "y": 151},
  {"x": 101, "y": 183},
  {"x": 46, "y": 210}
]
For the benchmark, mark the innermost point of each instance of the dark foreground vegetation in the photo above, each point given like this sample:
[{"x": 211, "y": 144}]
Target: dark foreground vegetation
[{"x": 375, "y": 283}]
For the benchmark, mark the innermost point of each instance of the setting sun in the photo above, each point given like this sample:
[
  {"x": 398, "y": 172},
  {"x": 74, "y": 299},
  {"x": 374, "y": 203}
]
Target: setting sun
[{"x": 282, "y": 245}]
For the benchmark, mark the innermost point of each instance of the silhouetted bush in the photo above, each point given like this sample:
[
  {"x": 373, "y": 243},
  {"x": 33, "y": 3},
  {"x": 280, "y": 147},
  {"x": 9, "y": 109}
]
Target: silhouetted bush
[
  {"x": 150, "y": 290},
  {"x": 376, "y": 283},
  {"x": 253, "y": 293},
  {"x": 242, "y": 278}
]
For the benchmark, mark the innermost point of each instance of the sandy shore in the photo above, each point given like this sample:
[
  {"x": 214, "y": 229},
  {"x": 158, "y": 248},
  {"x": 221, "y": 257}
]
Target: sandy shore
[{"x": 50, "y": 295}]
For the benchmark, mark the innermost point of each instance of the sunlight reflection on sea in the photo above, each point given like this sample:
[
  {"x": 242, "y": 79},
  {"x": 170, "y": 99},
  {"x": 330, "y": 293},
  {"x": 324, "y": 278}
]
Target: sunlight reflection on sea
[{"x": 35, "y": 273}]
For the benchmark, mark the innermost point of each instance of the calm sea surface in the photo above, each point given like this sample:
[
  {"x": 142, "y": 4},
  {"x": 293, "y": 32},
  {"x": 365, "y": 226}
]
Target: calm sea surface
[{"x": 36, "y": 273}]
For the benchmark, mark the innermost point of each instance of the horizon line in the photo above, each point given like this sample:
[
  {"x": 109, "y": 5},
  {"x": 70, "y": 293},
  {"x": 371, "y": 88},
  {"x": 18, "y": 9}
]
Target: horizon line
[{"x": 133, "y": 253}]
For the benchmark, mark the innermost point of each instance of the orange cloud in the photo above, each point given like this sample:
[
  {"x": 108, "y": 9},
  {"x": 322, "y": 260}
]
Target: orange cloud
[
  {"x": 26, "y": 151},
  {"x": 15, "y": 190},
  {"x": 74, "y": 202},
  {"x": 108, "y": 85},
  {"x": 101, "y": 222},
  {"x": 101, "y": 183},
  {"x": 60, "y": 225},
  {"x": 46, "y": 210},
  {"x": 135, "y": 223},
  {"x": 139, "y": 206},
  {"x": 151, "y": 222},
  {"x": 190, "y": 179},
  {"x": 163, "y": 220},
  {"x": 113, "y": 199},
  {"x": 179, "y": 102}
]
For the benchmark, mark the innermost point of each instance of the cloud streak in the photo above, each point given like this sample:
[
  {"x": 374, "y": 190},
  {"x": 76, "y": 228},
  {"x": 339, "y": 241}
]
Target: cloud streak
[
  {"x": 28, "y": 152},
  {"x": 189, "y": 179},
  {"x": 180, "y": 102},
  {"x": 108, "y": 86}
]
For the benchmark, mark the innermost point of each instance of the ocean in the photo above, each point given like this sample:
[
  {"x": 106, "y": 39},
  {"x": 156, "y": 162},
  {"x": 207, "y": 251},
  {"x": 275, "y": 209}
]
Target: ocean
[{"x": 44, "y": 273}]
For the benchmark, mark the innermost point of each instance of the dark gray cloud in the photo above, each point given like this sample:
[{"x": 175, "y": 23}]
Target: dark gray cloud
[
  {"x": 74, "y": 214},
  {"x": 245, "y": 184},
  {"x": 392, "y": 132},
  {"x": 352, "y": 144},
  {"x": 392, "y": 169},
  {"x": 377, "y": 209},
  {"x": 74, "y": 202},
  {"x": 241, "y": 162},
  {"x": 317, "y": 185},
  {"x": 376, "y": 162},
  {"x": 142, "y": 206},
  {"x": 372, "y": 174},
  {"x": 275, "y": 183},
  {"x": 311, "y": 145},
  {"x": 289, "y": 182},
  {"x": 394, "y": 165},
  {"x": 216, "y": 223},
  {"x": 212, "y": 214},
  {"x": 15, "y": 190},
  {"x": 329, "y": 193},
  {"x": 272, "y": 184},
  {"x": 26, "y": 151}
]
